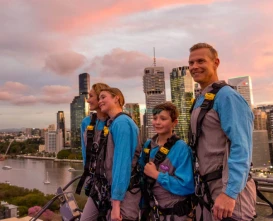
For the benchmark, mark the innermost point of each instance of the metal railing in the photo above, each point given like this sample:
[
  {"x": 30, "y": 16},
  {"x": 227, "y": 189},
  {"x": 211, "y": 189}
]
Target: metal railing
[{"x": 264, "y": 185}]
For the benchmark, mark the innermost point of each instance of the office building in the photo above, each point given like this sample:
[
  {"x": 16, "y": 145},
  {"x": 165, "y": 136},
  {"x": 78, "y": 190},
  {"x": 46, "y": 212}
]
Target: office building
[
  {"x": 182, "y": 92},
  {"x": 244, "y": 86},
  {"x": 133, "y": 110},
  {"x": 260, "y": 155},
  {"x": 61, "y": 124},
  {"x": 154, "y": 89},
  {"x": 79, "y": 109}
]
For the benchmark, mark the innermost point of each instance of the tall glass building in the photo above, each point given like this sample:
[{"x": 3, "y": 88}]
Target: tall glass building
[
  {"x": 182, "y": 92},
  {"x": 79, "y": 109}
]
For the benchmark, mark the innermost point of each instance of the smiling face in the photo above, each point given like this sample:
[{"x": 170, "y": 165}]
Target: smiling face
[
  {"x": 203, "y": 67},
  {"x": 93, "y": 100},
  {"x": 107, "y": 102},
  {"x": 162, "y": 123}
]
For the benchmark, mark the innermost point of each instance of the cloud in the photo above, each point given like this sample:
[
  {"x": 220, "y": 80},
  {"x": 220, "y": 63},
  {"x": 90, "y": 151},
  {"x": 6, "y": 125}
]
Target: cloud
[
  {"x": 5, "y": 96},
  {"x": 64, "y": 63},
  {"x": 120, "y": 63},
  {"x": 24, "y": 100},
  {"x": 57, "y": 99},
  {"x": 14, "y": 87},
  {"x": 55, "y": 89}
]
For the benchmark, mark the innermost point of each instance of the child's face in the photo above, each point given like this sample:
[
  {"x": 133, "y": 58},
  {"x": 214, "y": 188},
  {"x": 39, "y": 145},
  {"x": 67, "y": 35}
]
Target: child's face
[{"x": 162, "y": 123}]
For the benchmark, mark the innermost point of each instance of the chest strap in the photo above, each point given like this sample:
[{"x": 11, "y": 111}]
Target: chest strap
[{"x": 90, "y": 137}]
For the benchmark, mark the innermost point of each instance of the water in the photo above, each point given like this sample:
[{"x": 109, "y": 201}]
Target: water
[{"x": 30, "y": 173}]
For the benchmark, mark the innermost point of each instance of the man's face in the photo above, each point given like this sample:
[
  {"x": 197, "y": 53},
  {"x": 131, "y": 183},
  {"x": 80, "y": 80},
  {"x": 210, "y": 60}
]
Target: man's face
[{"x": 203, "y": 67}]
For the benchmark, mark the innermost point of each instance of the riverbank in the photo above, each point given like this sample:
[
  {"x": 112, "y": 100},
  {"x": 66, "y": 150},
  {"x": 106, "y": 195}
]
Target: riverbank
[{"x": 49, "y": 158}]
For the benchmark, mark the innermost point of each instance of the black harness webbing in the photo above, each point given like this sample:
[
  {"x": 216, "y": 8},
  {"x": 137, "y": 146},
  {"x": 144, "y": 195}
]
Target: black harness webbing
[
  {"x": 181, "y": 208},
  {"x": 206, "y": 106},
  {"x": 160, "y": 155},
  {"x": 90, "y": 137}
]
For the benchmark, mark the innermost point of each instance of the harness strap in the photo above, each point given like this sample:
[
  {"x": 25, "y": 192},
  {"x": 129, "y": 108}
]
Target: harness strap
[
  {"x": 90, "y": 138},
  {"x": 160, "y": 156}
]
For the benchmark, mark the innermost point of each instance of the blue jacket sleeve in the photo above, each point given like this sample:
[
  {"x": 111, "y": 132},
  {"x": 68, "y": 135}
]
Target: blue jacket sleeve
[
  {"x": 182, "y": 182},
  {"x": 84, "y": 124},
  {"x": 237, "y": 122},
  {"x": 125, "y": 138}
]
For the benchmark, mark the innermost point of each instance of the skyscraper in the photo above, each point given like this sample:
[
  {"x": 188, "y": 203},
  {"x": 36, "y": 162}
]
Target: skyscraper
[
  {"x": 244, "y": 86},
  {"x": 79, "y": 109},
  {"x": 182, "y": 91},
  {"x": 61, "y": 124},
  {"x": 134, "y": 110},
  {"x": 154, "y": 89},
  {"x": 260, "y": 120},
  {"x": 84, "y": 83}
]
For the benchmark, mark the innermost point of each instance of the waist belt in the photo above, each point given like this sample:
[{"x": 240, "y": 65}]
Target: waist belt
[
  {"x": 181, "y": 208},
  {"x": 215, "y": 175}
]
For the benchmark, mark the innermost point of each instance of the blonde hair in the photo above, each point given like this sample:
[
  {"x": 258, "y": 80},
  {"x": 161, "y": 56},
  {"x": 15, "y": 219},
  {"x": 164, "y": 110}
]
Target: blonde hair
[
  {"x": 98, "y": 87},
  {"x": 116, "y": 92},
  {"x": 214, "y": 53}
]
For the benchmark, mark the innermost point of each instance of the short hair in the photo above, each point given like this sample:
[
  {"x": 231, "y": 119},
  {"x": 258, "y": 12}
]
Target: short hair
[
  {"x": 116, "y": 92},
  {"x": 214, "y": 53},
  {"x": 98, "y": 87},
  {"x": 167, "y": 106}
]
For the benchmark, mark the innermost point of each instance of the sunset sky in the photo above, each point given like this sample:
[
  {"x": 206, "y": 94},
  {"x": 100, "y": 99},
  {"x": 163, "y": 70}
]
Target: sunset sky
[{"x": 46, "y": 44}]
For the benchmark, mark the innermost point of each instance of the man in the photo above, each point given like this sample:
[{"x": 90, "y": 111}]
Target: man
[{"x": 222, "y": 140}]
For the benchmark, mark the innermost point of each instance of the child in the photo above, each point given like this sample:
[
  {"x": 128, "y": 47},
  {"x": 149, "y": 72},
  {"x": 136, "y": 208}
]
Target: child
[{"x": 168, "y": 169}]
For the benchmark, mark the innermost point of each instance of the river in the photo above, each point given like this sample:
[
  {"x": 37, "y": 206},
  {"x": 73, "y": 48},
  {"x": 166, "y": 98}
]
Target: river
[{"x": 30, "y": 173}]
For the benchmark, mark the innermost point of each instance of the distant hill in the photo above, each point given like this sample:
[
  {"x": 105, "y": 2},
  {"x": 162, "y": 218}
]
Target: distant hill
[{"x": 8, "y": 130}]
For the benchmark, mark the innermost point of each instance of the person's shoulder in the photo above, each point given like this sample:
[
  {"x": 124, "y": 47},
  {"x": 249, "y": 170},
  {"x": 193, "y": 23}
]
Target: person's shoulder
[
  {"x": 86, "y": 120},
  {"x": 123, "y": 118},
  {"x": 181, "y": 144}
]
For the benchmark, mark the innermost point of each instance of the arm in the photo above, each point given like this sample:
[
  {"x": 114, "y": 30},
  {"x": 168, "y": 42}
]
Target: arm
[
  {"x": 85, "y": 122},
  {"x": 125, "y": 137},
  {"x": 237, "y": 122},
  {"x": 182, "y": 182}
]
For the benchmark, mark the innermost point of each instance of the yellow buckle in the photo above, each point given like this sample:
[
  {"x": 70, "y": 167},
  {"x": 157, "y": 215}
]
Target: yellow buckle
[
  {"x": 164, "y": 150},
  {"x": 192, "y": 100},
  {"x": 105, "y": 130},
  {"x": 146, "y": 150},
  {"x": 90, "y": 127},
  {"x": 209, "y": 96}
]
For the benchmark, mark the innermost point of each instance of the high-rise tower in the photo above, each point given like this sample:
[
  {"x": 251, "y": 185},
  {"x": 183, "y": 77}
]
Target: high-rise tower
[
  {"x": 154, "y": 89},
  {"x": 79, "y": 109},
  {"x": 61, "y": 124},
  {"x": 244, "y": 86},
  {"x": 182, "y": 92}
]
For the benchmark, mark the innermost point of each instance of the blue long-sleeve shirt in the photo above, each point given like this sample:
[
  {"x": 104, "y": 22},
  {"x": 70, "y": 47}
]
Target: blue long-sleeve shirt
[
  {"x": 179, "y": 160},
  {"x": 125, "y": 135},
  {"x": 236, "y": 119}
]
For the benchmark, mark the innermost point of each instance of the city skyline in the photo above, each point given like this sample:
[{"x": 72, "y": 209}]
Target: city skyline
[{"x": 42, "y": 55}]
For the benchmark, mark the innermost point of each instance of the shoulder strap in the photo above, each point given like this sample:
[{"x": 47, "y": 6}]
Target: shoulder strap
[
  {"x": 163, "y": 151},
  {"x": 161, "y": 156},
  {"x": 90, "y": 136},
  {"x": 147, "y": 151},
  {"x": 206, "y": 106}
]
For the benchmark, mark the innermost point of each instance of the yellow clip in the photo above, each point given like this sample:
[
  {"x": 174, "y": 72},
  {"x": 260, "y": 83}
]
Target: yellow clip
[
  {"x": 146, "y": 150},
  {"x": 105, "y": 130},
  {"x": 209, "y": 96},
  {"x": 164, "y": 150},
  {"x": 192, "y": 100},
  {"x": 90, "y": 127}
]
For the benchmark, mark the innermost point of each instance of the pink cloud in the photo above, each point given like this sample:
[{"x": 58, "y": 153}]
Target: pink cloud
[
  {"x": 24, "y": 100},
  {"x": 55, "y": 89},
  {"x": 14, "y": 87},
  {"x": 59, "y": 99},
  {"x": 124, "y": 64},
  {"x": 5, "y": 96},
  {"x": 64, "y": 63}
]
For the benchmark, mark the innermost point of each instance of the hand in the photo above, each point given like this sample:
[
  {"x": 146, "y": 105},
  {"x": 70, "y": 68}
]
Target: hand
[
  {"x": 223, "y": 206},
  {"x": 150, "y": 170},
  {"x": 115, "y": 212}
]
